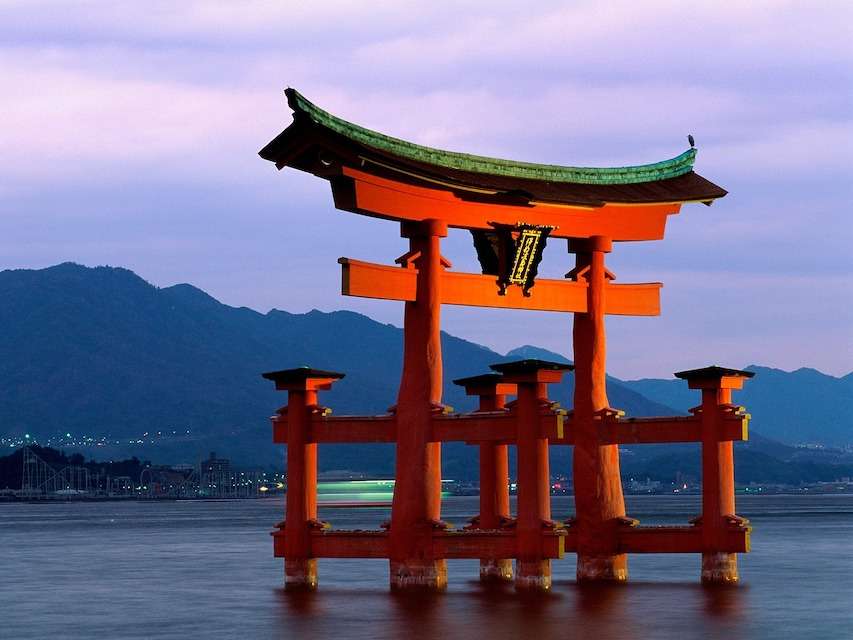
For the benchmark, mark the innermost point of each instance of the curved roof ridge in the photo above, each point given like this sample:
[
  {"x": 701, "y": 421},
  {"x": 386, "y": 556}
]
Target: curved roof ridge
[{"x": 671, "y": 168}]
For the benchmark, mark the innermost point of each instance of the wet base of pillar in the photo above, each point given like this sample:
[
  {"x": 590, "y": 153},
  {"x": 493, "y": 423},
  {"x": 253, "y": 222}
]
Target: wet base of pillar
[
  {"x": 532, "y": 575},
  {"x": 719, "y": 568},
  {"x": 602, "y": 568},
  {"x": 495, "y": 571},
  {"x": 300, "y": 574},
  {"x": 428, "y": 575}
]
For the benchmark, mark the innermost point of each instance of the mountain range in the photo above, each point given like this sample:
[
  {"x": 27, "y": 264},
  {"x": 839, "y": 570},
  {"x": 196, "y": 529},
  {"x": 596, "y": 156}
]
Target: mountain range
[{"x": 100, "y": 352}]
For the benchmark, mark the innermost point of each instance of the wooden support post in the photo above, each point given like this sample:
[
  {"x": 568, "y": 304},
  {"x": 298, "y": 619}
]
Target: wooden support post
[
  {"x": 718, "y": 471},
  {"x": 599, "y": 503},
  {"x": 494, "y": 471},
  {"x": 300, "y": 569},
  {"x": 416, "y": 508},
  {"x": 718, "y": 490},
  {"x": 534, "y": 497},
  {"x": 532, "y": 568},
  {"x": 300, "y": 565}
]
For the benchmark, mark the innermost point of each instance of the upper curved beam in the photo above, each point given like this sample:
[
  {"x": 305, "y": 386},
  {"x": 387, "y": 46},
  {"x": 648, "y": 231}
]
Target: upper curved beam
[{"x": 662, "y": 170}]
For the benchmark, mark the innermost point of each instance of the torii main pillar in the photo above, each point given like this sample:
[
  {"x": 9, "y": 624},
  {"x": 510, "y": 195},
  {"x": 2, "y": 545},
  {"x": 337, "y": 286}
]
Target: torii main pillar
[
  {"x": 599, "y": 502},
  {"x": 416, "y": 508}
]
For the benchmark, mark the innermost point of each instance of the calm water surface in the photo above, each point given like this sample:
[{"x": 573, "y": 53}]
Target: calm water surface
[{"x": 205, "y": 570}]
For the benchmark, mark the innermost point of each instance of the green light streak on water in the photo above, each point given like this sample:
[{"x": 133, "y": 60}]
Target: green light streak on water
[{"x": 359, "y": 490}]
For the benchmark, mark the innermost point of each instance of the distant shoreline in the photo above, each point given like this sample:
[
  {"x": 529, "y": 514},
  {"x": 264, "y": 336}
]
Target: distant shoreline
[{"x": 379, "y": 505}]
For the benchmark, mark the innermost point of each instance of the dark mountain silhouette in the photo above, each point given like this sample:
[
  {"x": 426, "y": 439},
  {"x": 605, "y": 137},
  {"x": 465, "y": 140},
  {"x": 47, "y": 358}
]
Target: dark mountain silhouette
[{"x": 101, "y": 352}]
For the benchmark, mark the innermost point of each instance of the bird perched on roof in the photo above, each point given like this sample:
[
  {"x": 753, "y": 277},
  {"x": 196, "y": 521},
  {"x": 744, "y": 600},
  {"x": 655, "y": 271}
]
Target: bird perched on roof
[{"x": 691, "y": 141}]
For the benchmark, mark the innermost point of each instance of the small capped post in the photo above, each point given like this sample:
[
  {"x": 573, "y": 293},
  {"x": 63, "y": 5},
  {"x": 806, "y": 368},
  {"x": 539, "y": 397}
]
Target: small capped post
[
  {"x": 719, "y": 564},
  {"x": 292, "y": 425},
  {"x": 533, "y": 568},
  {"x": 491, "y": 388},
  {"x": 494, "y": 470}
]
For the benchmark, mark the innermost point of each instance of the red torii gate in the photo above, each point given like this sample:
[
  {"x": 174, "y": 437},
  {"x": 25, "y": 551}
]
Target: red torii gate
[{"x": 510, "y": 209}]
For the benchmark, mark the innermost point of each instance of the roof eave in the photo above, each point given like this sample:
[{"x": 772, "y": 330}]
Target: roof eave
[{"x": 287, "y": 149}]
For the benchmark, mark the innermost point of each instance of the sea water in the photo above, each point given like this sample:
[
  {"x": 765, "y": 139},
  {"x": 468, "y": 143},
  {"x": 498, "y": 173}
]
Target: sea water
[{"x": 203, "y": 569}]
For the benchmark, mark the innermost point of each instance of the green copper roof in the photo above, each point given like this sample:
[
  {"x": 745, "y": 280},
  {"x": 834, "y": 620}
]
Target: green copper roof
[{"x": 492, "y": 166}]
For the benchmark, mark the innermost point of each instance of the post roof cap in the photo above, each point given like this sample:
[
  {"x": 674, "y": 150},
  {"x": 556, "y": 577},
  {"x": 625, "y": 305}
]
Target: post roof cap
[
  {"x": 530, "y": 365},
  {"x": 300, "y": 374},
  {"x": 714, "y": 371},
  {"x": 483, "y": 378}
]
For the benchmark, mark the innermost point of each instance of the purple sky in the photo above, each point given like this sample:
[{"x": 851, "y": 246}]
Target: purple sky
[{"x": 130, "y": 131}]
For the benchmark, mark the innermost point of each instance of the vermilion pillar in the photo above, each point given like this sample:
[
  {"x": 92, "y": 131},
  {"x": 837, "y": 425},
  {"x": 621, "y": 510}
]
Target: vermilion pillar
[
  {"x": 416, "y": 508},
  {"x": 599, "y": 502},
  {"x": 300, "y": 567},
  {"x": 533, "y": 505},
  {"x": 494, "y": 470},
  {"x": 718, "y": 470}
]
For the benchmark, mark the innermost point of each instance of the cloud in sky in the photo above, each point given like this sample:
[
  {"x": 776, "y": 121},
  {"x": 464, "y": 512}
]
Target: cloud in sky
[{"x": 130, "y": 133}]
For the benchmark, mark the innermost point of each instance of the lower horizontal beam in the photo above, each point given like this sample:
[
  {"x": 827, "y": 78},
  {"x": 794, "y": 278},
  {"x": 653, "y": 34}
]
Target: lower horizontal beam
[
  {"x": 501, "y": 427},
  {"x": 687, "y": 539},
  {"x": 476, "y": 543},
  {"x": 352, "y": 429},
  {"x": 342, "y": 429},
  {"x": 669, "y": 430},
  {"x": 340, "y": 544},
  {"x": 451, "y": 545},
  {"x": 651, "y": 430},
  {"x": 491, "y": 426},
  {"x": 663, "y": 430},
  {"x": 477, "y": 290},
  {"x": 370, "y": 280}
]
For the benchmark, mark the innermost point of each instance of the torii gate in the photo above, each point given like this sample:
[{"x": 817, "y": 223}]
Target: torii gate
[{"x": 510, "y": 208}]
